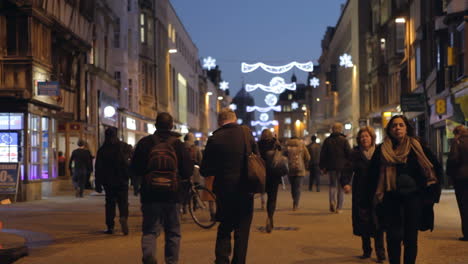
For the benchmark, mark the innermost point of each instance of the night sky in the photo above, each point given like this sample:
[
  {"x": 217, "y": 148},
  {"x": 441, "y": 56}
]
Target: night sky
[{"x": 275, "y": 32}]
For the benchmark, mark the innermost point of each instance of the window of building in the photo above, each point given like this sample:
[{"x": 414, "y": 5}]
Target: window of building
[
  {"x": 400, "y": 29},
  {"x": 129, "y": 5},
  {"x": 117, "y": 76},
  {"x": 34, "y": 167},
  {"x": 287, "y": 120},
  {"x": 143, "y": 28},
  {"x": 129, "y": 43},
  {"x": 460, "y": 48},
  {"x": 130, "y": 94},
  {"x": 17, "y": 42},
  {"x": 418, "y": 62},
  {"x": 117, "y": 33}
]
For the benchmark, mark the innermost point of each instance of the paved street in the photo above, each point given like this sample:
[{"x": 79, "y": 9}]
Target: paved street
[{"x": 67, "y": 230}]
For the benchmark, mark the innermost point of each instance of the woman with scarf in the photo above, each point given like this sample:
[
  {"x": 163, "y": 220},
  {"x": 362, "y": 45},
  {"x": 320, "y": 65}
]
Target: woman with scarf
[
  {"x": 363, "y": 218},
  {"x": 404, "y": 185}
]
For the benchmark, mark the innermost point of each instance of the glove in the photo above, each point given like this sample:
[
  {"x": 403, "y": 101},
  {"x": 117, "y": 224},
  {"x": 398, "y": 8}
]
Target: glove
[{"x": 99, "y": 188}]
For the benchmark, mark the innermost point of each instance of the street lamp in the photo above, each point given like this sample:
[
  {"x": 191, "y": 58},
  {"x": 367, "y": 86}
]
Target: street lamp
[
  {"x": 400, "y": 20},
  {"x": 172, "y": 51}
]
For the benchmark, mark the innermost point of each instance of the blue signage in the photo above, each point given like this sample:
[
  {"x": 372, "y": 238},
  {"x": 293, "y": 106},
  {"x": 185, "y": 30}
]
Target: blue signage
[
  {"x": 48, "y": 88},
  {"x": 9, "y": 175}
]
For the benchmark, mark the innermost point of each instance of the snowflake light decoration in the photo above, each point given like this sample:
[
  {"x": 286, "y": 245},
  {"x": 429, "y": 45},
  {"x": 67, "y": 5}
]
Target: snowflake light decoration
[
  {"x": 224, "y": 85},
  {"x": 233, "y": 107},
  {"x": 314, "y": 82},
  {"x": 239, "y": 121},
  {"x": 276, "y": 108},
  {"x": 271, "y": 99},
  {"x": 277, "y": 86},
  {"x": 264, "y": 117},
  {"x": 346, "y": 61},
  {"x": 209, "y": 63},
  {"x": 294, "y": 105},
  {"x": 307, "y": 67}
]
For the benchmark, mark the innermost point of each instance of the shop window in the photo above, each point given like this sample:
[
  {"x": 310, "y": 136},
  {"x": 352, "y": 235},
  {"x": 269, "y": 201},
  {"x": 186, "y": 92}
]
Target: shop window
[
  {"x": 17, "y": 43},
  {"x": 34, "y": 126},
  {"x": 45, "y": 148}
]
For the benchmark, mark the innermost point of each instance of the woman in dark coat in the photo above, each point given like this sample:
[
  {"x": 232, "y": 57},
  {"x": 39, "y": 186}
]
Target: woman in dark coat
[
  {"x": 267, "y": 146},
  {"x": 404, "y": 185},
  {"x": 363, "y": 218}
]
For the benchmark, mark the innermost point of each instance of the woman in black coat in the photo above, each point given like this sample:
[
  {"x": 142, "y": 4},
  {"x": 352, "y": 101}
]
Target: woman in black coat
[
  {"x": 363, "y": 218},
  {"x": 404, "y": 185},
  {"x": 267, "y": 146}
]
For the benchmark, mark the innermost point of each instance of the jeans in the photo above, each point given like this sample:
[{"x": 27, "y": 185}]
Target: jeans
[
  {"x": 116, "y": 196},
  {"x": 335, "y": 192},
  {"x": 79, "y": 179},
  {"x": 402, "y": 215},
  {"x": 295, "y": 182},
  {"x": 237, "y": 219},
  {"x": 159, "y": 215},
  {"x": 314, "y": 177}
]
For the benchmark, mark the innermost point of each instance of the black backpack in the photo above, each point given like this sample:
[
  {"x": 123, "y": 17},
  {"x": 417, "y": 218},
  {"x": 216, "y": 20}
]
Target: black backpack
[{"x": 162, "y": 165}]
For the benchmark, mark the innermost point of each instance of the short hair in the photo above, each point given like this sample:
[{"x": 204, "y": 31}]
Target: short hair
[
  {"x": 81, "y": 143},
  {"x": 226, "y": 114},
  {"x": 337, "y": 127},
  {"x": 458, "y": 130},
  {"x": 367, "y": 129},
  {"x": 164, "y": 121},
  {"x": 266, "y": 135},
  {"x": 60, "y": 153},
  {"x": 409, "y": 128},
  {"x": 313, "y": 138},
  {"x": 189, "y": 137}
]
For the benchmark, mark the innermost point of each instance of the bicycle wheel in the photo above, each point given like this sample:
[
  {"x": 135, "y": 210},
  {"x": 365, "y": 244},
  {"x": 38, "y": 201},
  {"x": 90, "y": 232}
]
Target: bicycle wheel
[{"x": 202, "y": 207}]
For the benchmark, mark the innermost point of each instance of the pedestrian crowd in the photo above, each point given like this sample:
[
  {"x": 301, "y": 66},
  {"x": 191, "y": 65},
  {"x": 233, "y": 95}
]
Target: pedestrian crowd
[{"x": 394, "y": 185}]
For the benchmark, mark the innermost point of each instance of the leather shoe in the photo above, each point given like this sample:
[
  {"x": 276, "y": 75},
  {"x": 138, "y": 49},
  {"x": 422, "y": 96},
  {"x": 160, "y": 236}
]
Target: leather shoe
[
  {"x": 124, "y": 225},
  {"x": 463, "y": 238}
]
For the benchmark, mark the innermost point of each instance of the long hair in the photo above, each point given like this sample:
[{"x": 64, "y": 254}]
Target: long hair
[
  {"x": 409, "y": 128},
  {"x": 266, "y": 135}
]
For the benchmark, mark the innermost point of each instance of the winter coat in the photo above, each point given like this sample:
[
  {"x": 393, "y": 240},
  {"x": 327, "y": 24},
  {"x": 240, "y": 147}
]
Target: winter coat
[
  {"x": 224, "y": 158},
  {"x": 298, "y": 157},
  {"x": 457, "y": 162},
  {"x": 139, "y": 166},
  {"x": 112, "y": 165},
  {"x": 82, "y": 160},
  {"x": 314, "y": 151},
  {"x": 335, "y": 152},
  {"x": 429, "y": 195},
  {"x": 267, "y": 150}
]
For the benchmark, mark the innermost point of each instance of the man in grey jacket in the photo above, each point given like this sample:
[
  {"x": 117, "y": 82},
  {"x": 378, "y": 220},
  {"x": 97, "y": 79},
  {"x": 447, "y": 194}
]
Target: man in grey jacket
[{"x": 334, "y": 158}]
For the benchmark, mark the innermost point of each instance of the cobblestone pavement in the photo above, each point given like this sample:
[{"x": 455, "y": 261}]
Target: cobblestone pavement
[{"x": 67, "y": 230}]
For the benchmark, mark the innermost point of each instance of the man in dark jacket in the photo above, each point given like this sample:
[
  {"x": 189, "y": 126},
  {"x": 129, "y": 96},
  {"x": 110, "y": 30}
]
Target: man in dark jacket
[
  {"x": 225, "y": 158},
  {"x": 81, "y": 165},
  {"x": 314, "y": 170},
  {"x": 160, "y": 208},
  {"x": 457, "y": 169},
  {"x": 112, "y": 173},
  {"x": 334, "y": 158}
]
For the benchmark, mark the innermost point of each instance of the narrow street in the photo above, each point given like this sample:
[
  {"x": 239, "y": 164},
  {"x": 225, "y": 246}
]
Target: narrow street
[{"x": 64, "y": 229}]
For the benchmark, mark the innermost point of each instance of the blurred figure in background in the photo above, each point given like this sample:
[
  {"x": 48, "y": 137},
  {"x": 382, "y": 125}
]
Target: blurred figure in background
[
  {"x": 314, "y": 169},
  {"x": 80, "y": 165},
  {"x": 298, "y": 157}
]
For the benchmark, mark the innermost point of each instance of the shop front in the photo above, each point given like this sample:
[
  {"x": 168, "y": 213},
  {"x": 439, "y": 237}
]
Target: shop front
[{"x": 135, "y": 127}]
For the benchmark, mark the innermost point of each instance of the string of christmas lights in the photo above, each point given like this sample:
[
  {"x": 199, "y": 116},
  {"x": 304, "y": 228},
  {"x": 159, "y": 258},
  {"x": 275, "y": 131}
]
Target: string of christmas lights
[{"x": 307, "y": 67}]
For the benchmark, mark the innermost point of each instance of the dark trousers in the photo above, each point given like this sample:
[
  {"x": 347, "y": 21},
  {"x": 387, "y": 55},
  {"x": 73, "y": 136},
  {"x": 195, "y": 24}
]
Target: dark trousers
[
  {"x": 159, "y": 215},
  {"x": 314, "y": 177},
  {"x": 295, "y": 182},
  {"x": 237, "y": 217},
  {"x": 79, "y": 179},
  {"x": 272, "y": 192},
  {"x": 378, "y": 244},
  {"x": 403, "y": 215},
  {"x": 116, "y": 196},
  {"x": 461, "y": 193}
]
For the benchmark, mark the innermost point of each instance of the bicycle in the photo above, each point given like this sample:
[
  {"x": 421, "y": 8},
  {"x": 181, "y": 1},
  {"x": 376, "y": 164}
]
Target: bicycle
[{"x": 201, "y": 203}]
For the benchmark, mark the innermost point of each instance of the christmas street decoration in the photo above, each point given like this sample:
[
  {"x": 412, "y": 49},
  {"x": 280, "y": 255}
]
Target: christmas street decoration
[
  {"x": 224, "y": 85},
  {"x": 276, "y": 108},
  {"x": 314, "y": 82},
  {"x": 277, "y": 86},
  {"x": 307, "y": 67},
  {"x": 346, "y": 61},
  {"x": 209, "y": 63}
]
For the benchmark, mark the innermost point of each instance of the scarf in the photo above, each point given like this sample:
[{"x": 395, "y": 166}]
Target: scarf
[
  {"x": 399, "y": 155},
  {"x": 368, "y": 153}
]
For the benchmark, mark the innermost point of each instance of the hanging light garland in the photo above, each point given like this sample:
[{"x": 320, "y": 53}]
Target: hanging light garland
[
  {"x": 277, "y": 86},
  {"x": 264, "y": 117},
  {"x": 307, "y": 67},
  {"x": 271, "y": 99},
  {"x": 276, "y": 108},
  {"x": 267, "y": 123}
]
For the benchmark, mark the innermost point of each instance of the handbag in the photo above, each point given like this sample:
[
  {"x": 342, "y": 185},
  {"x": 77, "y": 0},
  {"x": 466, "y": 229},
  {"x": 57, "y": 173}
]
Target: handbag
[
  {"x": 279, "y": 164},
  {"x": 256, "y": 172}
]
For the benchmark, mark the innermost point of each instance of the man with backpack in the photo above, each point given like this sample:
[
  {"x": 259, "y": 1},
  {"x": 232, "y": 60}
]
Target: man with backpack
[
  {"x": 225, "y": 158},
  {"x": 161, "y": 162}
]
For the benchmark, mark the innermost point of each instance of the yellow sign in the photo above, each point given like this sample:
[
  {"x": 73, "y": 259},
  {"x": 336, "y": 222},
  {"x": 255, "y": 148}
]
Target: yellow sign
[
  {"x": 449, "y": 127},
  {"x": 441, "y": 106}
]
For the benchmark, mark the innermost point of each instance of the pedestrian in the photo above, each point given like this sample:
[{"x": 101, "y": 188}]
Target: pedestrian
[
  {"x": 225, "y": 158},
  {"x": 161, "y": 161},
  {"x": 363, "y": 218},
  {"x": 268, "y": 146},
  {"x": 334, "y": 156},
  {"x": 457, "y": 169},
  {"x": 80, "y": 165},
  {"x": 112, "y": 173},
  {"x": 61, "y": 164},
  {"x": 404, "y": 185},
  {"x": 298, "y": 157},
  {"x": 195, "y": 154},
  {"x": 314, "y": 169}
]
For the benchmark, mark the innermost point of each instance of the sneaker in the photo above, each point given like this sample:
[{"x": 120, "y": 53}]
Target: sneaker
[
  {"x": 338, "y": 211},
  {"x": 124, "y": 225},
  {"x": 332, "y": 208}
]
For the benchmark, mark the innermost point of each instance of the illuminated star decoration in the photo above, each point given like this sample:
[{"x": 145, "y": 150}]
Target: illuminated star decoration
[
  {"x": 267, "y": 123},
  {"x": 264, "y": 117},
  {"x": 277, "y": 86},
  {"x": 346, "y": 61},
  {"x": 209, "y": 63},
  {"x": 294, "y": 105},
  {"x": 307, "y": 67},
  {"x": 314, "y": 82},
  {"x": 276, "y": 108},
  {"x": 271, "y": 99},
  {"x": 233, "y": 107},
  {"x": 224, "y": 85}
]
